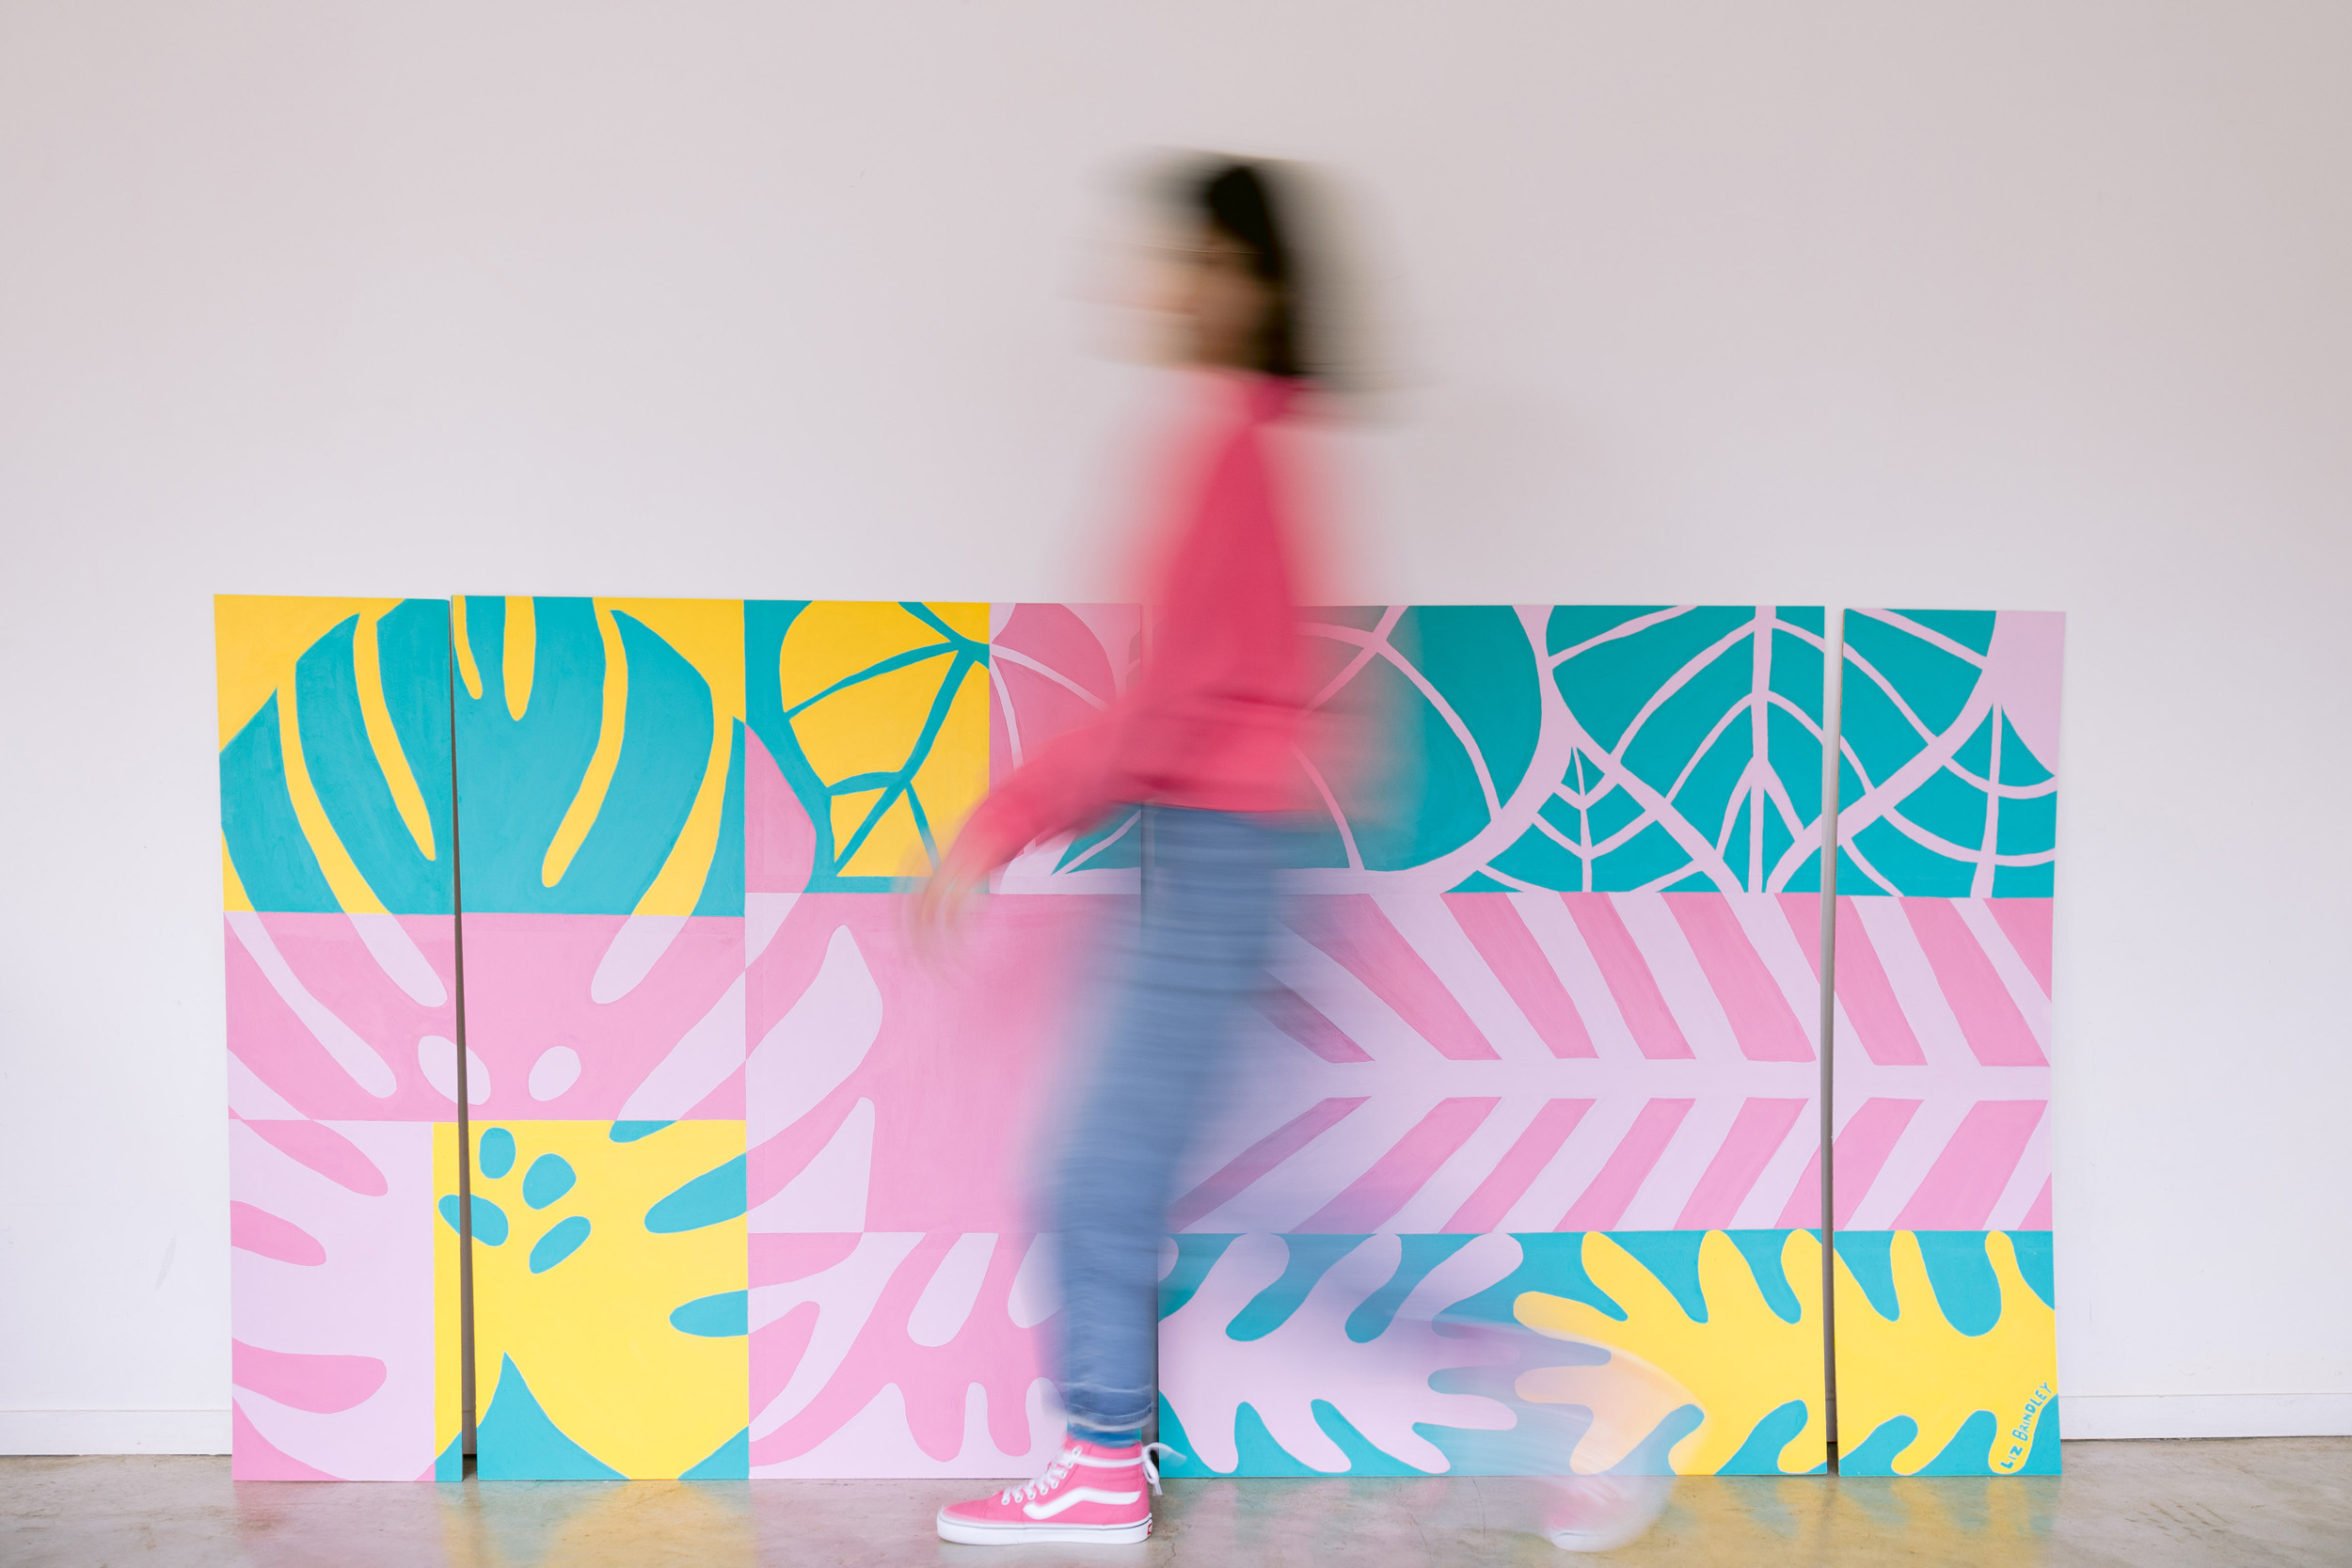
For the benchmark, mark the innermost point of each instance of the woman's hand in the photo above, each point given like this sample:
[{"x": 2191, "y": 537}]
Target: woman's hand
[{"x": 936, "y": 906}]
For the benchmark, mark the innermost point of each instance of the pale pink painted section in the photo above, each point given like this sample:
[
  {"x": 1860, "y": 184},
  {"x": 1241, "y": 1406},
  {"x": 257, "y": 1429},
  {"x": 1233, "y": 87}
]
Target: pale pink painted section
[
  {"x": 323, "y": 1384},
  {"x": 2027, "y": 923},
  {"x": 779, "y": 846},
  {"x": 1236, "y": 1175},
  {"x": 2024, "y": 666},
  {"x": 1756, "y": 1134},
  {"x": 1863, "y": 1143},
  {"x": 1353, "y": 931},
  {"x": 330, "y": 1154},
  {"x": 1967, "y": 1177},
  {"x": 1517, "y": 1171},
  {"x": 1802, "y": 1212},
  {"x": 313, "y": 1332},
  {"x": 527, "y": 991},
  {"x": 1639, "y": 1001},
  {"x": 988, "y": 1351},
  {"x": 254, "y": 1457},
  {"x": 1600, "y": 1204},
  {"x": 259, "y": 1230},
  {"x": 1760, "y": 1019},
  {"x": 962, "y": 1069},
  {"x": 326, "y": 955},
  {"x": 1868, "y": 999},
  {"x": 1803, "y": 910},
  {"x": 1298, "y": 1018},
  {"x": 1997, "y": 1033},
  {"x": 1493, "y": 925},
  {"x": 1399, "y": 1174}
]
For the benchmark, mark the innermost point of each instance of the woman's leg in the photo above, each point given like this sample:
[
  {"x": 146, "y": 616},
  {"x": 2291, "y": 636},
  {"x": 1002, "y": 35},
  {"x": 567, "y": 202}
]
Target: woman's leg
[{"x": 1200, "y": 947}]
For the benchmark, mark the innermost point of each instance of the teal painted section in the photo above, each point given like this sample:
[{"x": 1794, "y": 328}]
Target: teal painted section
[
  {"x": 1762, "y": 1249},
  {"x": 710, "y": 1198},
  {"x": 1673, "y": 1256},
  {"x": 256, "y": 819},
  {"x": 1875, "y": 1454},
  {"x": 1196, "y": 1255},
  {"x": 1758, "y": 1453},
  {"x": 497, "y": 1153},
  {"x": 1960, "y": 1271},
  {"x": 551, "y": 1176},
  {"x": 1870, "y": 1257},
  {"x": 721, "y": 1317},
  {"x": 563, "y": 1238},
  {"x": 722, "y": 888},
  {"x": 489, "y": 1220},
  {"x": 730, "y": 1460},
  {"x": 1419, "y": 1255},
  {"x": 345, "y": 774},
  {"x": 449, "y": 1463},
  {"x": 630, "y": 1132},
  {"x": 1310, "y": 1258},
  {"x": 2035, "y": 1263},
  {"x": 1552, "y": 1261},
  {"x": 515, "y": 1440},
  {"x": 517, "y": 776}
]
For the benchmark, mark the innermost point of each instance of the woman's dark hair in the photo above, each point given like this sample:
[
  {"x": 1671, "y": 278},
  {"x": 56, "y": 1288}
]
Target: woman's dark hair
[{"x": 1241, "y": 201}]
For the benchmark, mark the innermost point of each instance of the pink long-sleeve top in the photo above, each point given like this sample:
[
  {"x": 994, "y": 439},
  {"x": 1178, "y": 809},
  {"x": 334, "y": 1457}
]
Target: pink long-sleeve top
[{"x": 1211, "y": 717}]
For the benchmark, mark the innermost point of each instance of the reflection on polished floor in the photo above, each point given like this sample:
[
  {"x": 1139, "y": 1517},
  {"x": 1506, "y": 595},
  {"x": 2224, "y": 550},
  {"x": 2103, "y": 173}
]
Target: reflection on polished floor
[{"x": 2246, "y": 1504}]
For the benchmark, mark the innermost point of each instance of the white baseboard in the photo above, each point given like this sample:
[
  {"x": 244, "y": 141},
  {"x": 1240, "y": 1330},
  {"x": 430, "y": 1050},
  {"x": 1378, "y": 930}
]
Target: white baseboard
[
  {"x": 31, "y": 1432},
  {"x": 2204, "y": 1415}
]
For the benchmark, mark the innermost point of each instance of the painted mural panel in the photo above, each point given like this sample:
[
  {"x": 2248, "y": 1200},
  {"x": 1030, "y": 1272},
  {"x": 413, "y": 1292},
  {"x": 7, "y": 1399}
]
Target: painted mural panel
[
  {"x": 336, "y": 866},
  {"x": 1946, "y": 1346}
]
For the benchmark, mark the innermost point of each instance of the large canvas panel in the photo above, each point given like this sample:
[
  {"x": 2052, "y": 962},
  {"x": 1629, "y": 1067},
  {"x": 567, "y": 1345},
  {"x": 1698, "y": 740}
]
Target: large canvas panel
[
  {"x": 337, "y": 856},
  {"x": 1946, "y": 1334},
  {"x": 602, "y": 747}
]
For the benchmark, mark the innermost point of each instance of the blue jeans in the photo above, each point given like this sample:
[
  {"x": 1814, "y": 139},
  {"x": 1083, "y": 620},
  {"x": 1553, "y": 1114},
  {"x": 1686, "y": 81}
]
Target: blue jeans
[{"x": 1195, "y": 963}]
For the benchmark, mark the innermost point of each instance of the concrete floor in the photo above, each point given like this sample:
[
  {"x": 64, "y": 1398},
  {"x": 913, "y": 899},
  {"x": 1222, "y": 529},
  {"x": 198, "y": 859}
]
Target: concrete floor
[{"x": 2245, "y": 1504}]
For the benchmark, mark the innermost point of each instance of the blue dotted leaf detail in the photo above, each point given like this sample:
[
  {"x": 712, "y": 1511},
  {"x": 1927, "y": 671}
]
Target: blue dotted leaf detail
[
  {"x": 550, "y": 1178},
  {"x": 497, "y": 1153},
  {"x": 562, "y": 1239},
  {"x": 718, "y": 1317}
]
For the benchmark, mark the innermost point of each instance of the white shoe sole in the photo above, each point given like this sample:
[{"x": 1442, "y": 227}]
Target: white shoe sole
[{"x": 965, "y": 1532}]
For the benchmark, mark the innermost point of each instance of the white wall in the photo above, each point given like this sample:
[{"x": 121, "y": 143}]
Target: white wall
[{"x": 2023, "y": 305}]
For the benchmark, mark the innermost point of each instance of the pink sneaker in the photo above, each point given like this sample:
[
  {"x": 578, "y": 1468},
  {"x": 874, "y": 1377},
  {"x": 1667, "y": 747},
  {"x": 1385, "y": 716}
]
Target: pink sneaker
[{"x": 1089, "y": 1493}]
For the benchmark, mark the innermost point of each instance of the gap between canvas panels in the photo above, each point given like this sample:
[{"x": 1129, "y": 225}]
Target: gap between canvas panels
[{"x": 1833, "y": 691}]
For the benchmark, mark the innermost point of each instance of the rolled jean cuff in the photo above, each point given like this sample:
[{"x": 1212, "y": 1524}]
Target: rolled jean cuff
[{"x": 1094, "y": 1409}]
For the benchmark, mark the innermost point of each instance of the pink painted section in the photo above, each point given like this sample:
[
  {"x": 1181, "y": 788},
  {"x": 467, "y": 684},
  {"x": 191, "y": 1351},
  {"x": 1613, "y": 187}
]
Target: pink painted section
[
  {"x": 2038, "y": 1212},
  {"x": 779, "y": 845},
  {"x": 323, "y": 1384},
  {"x": 1751, "y": 999},
  {"x": 1862, "y": 1145},
  {"x": 776, "y": 1351},
  {"x": 1803, "y": 910},
  {"x": 335, "y": 1358},
  {"x": 988, "y": 1350},
  {"x": 1236, "y": 1175},
  {"x": 1757, "y": 1134},
  {"x": 1056, "y": 637},
  {"x": 2027, "y": 923},
  {"x": 254, "y": 1457},
  {"x": 961, "y": 1064},
  {"x": 1802, "y": 1212},
  {"x": 1400, "y": 1174},
  {"x": 1493, "y": 925},
  {"x": 1351, "y": 930},
  {"x": 324, "y": 1149},
  {"x": 780, "y": 1257},
  {"x": 1639, "y": 1001},
  {"x": 1604, "y": 1201},
  {"x": 1966, "y": 1179},
  {"x": 258, "y": 1230},
  {"x": 1518, "y": 1169},
  {"x": 1298, "y": 1018},
  {"x": 526, "y": 992},
  {"x": 327, "y": 959},
  {"x": 1997, "y": 1033},
  {"x": 1868, "y": 998}
]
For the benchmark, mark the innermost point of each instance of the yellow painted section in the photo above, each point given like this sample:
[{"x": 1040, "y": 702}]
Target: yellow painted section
[
  {"x": 449, "y": 1367},
  {"x": 233, "y": 894},
  {"x": 467, "y": 670},
  {"x": 581, "y": 814},
  {"x": 389, "y": 758},
  {"x": 1916, "y": 1364},
  {"x": 1740, "y": 1365},
  {"x": 873, "y": 724},
  {"x": 592, "y": 1334},
  {"x": 258, "y": 637},
  {"x": 521, "y": 652},
  {"x": 708, "y": 634}
]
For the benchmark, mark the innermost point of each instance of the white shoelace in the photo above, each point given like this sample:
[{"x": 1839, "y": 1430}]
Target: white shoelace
[{"x": 1066, "y": 1460}]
